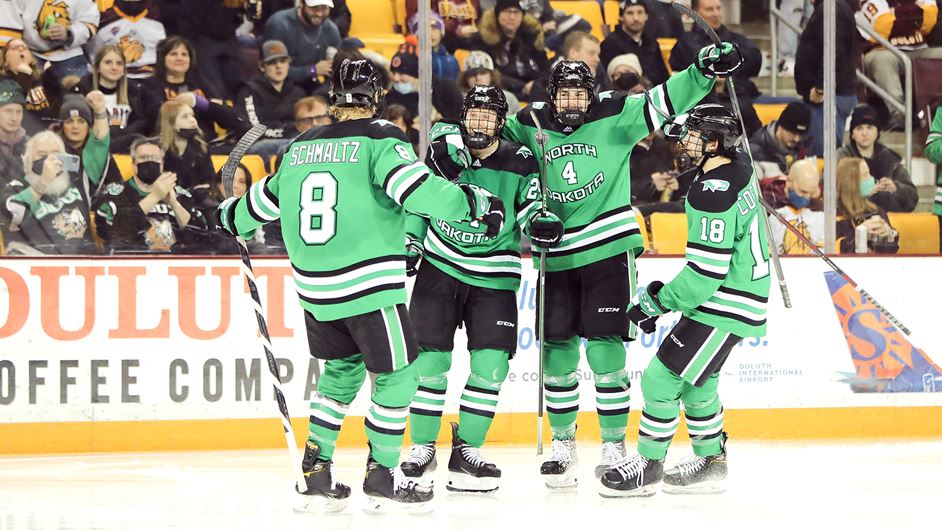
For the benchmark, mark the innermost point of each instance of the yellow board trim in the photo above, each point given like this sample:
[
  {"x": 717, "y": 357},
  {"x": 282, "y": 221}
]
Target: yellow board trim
[{"x": 517, "y": 428}]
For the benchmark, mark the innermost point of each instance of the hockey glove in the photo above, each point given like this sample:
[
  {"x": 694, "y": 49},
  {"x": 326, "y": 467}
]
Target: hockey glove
[
  {"x": 414, "y": 252},
  {"x": 644, "y": 314},
  {"x": 224, "y": 214},
  {"x": 447, "y": 155},
  {"x": 485, "y": 208},
  {"x": 723, "y": 61},
  {"x": 546, "y": 230}
]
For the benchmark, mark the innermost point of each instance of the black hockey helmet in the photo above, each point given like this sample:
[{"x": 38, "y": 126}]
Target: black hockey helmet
[
  {"x": 713, "y": 122},
  {"x": 483, "y": 97},
  {"x": 356, "y": 83},
  {"x": 570, "y": 74}
]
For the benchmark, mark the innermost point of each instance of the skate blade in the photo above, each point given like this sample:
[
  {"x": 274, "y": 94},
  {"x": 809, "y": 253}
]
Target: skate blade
[
  {"x": 464, "y": 483},
  {"x": 318, "y": 505},
  {"x": 566, "y": 480},
  {"x": 710, "y": 487},
  {"x": 644, "y": 491},
  {"x": 384, "y": 506}
]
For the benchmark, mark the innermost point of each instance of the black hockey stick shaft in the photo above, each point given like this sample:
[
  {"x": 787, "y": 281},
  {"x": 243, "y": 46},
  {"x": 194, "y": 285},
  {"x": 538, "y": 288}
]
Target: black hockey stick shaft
[
  {"x": 773, "y": 249},
  {"x": 228, "y": 174},
  {"x": 541, "y": 139}
]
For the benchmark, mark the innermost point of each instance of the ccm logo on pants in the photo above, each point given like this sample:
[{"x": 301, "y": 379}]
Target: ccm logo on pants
[
  {"x": 505, "y": 323},
  {"x": 609, "y": 309}
]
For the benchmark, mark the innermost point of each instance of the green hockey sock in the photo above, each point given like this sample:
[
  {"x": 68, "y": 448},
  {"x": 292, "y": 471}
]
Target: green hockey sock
[
  {"x": 479, "y": 398},
  {"x": 703, "y": 413},
  {"x": 386, "y": 420},
  {"x": 336, "y": 388},
  {"x": 661, "y": 389},
  {"x": 560, "y": 386},
  {"x": 606, "y": 356},
  {"x": 425, "y": 413}
]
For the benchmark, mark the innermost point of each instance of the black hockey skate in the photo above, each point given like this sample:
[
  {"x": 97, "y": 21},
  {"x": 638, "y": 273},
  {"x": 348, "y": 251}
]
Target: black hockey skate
[
  {"x": 635, "y": 476},
  {"x": 468, "y": 471},
  {"x": 389, "y": 490},
  {"x": 421, "y": 461},
  {"x": 560, "y": 470},
  {"x": 323, "y": 494},
  {"x": 612, "y": 453},
  {"x": 698, "y": 474}
]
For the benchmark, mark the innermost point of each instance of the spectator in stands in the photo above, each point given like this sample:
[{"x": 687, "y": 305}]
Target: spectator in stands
[
  {"x": 12, "y": 134},
  {"x": 633, "y": 36},
  {"x": 123, "y": 97},
  {"x": 854, "y": 185},
  {"x": 446, "y": 98},
  {"x": 85, "y": 134},
  {"x": 174, "y": 78},
  {"x": 905, "y": 23},
  {"x": 665, "y": 21},
  {"x": 56, "y": 32},
  {"x": 894, "y": 190},
  {"x": 269, "y": 99},
  {"x": 802, "y": 191},
  {"x": 341, "y": 17},
  {"x": 444, "y": 64},
  {"x": 797, "y": 12},
  {"x": 809, "y": 71},
  {"x": 792, "y": 189},
  {"x": 150, "y": 212},
  {"x": 578, "y": 46},
  {"x": 47, "y": 214},
  {"x": 41, "y": 87},
  {"x": 479, "y": 70},
  {"x": 685, "y": 51},
  {"x": 460, "y": 17},
  {"x": 626, "y": 74},
  {"x": 405, "y": 120},
  {"x": 776, "y": 146},
  {"x": 311, "y": 112},
  {"x": 933, "y": 153},
  {"x": 308, "y": 35},
  {"x": 654, "y": 177},
  {"x": 515, "y": 43},
  {"x": 556, "y": 24},
  {"x": 186, "y": 153},
  {"x": 219, "y": 53},
  {"x": 128, "y": 26}
]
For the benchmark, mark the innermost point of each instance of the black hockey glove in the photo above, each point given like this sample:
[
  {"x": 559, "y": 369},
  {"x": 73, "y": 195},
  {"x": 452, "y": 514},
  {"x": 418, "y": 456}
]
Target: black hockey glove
[
  {"x": 485, "y": 208},
  {"x": 447, "y": 156},
  {"x": 644, "y": 314},
  {"x": 546, "y": 230},
  {"x": 414, "y": 252},
  {"x": 723, "y": 61}
]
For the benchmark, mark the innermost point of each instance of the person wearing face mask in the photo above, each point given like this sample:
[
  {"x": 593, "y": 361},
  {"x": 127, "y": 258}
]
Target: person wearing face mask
[
  {"x": 128, "y": 25},
  {"x": 150, "y": 212},
  {"x": 633, "y": 36},
  {"x": 85, "y": 133},
  {"x": 41, "y": 87},
  {"x": 446, "y": 98},
  {"x": 802, "y": 208},
  {"x": 854, "y": 209},
  {"x": 186, "y": 152},
  {"x": 626, "y": 74},
  {"x": 47, "y": 213}
]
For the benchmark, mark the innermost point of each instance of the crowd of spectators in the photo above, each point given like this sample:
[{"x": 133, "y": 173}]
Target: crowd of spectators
[{"x": 168, "y": 84}]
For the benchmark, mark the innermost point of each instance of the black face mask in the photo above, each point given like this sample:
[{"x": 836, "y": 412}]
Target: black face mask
[
  {"x": 131, "y": 7},
  {"x": 626, "y": 82},
  {"x": 188, "y": 134},
  {"x": 38, "y": 166},
  {"x": 148, "y": 172}
]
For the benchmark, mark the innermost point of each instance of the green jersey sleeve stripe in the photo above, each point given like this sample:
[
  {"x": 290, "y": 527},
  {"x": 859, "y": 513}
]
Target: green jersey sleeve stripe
[
  {"x": 706, "y": 270},
  {"x": 746, "y": 294},
  {"x": 933, "y": 136},
  {"x": 411, "y": 189},
  {"x": 266, "y": 208},
  {"x": 321, "y": 282},
  {"x": 710, "y": 249},
  {"x": 738, "y": 302},
  {"x": 253, "y": 210},
  {"x": 621, "y": 224},
  {"x": 526, "y": 209},
  {"x": 730, "y": 313},
  {"x": 403, "y": 179}
]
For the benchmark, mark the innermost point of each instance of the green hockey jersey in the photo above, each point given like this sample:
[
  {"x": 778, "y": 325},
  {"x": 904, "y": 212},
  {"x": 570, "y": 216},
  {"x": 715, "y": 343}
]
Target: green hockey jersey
[
  {"x": 934, "y": 154},
  {"x": 588, "y": 185},
  {"x": 341, "y": 193},
  {"x": 459, "y": 248},
  {"x": 725, "y": 283}
]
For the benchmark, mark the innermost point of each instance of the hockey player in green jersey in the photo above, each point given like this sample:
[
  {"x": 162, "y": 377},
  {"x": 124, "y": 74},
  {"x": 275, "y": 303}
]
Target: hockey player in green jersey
[
  {"x": 590, "y": 275},
  {"x": 467, "y": 279},
  {"x": 721, "y": 293},
  {"x": 342, "y": 192}
]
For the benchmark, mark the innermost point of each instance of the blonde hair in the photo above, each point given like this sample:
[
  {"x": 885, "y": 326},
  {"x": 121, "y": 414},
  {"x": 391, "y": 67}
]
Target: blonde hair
[
  {"x": 350, "y": 113},
  {"x": 166, "y": 131},
  {"x": 122, "y": 90},
  {"x": 850, "y": 203}
]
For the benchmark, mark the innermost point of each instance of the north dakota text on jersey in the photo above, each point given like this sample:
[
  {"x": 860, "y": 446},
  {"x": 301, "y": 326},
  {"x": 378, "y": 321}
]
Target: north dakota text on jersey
[
  {"x": 580, "y": 193},
  {"x": 572, "y": 149},
  {"x": 325, "y": 153}
]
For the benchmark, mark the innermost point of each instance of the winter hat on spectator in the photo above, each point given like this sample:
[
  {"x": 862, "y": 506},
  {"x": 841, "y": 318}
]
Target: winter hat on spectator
[
  {"x": 625, "y": 4},
  {"x": 406, "y": 61},
  {"x": 795, "y": 118},
  {"x": 433, "y": 17},
  {"x": 626, "y": 59},
  {"x": 315, "y": 3},
  {"x": 75, "y": 106},
  {"x": 478, "y": 60},
  {"x": 864, "y": 115},
  {"x": 506, "y": 4},
  {"x": 273, "y": 50},
  {"x": 11, "y": 92}
]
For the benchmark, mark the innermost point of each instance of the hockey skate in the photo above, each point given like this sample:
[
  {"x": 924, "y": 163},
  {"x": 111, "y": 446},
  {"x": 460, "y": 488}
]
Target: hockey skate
[
  {"x": 420, "y": 464},
  {"x": 635, "y": 476},
  {"x": 323, "y": 494},
  {"x": 468, "y": 471},
  {"x": 388, "y": 490},
  {"x": 698, "y": 474},
  {"x": 612, "y": 453},
  {"x": 560, "y": 470}
]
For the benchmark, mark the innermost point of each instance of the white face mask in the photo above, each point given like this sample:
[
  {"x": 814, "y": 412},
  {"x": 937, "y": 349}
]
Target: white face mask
[{"x": 403, "y": 87}]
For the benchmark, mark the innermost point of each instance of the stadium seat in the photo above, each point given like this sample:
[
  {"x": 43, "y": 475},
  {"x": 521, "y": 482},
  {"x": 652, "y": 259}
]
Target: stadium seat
[
  {"x": 587, "y": 10},
  {"x": 918, "y": 232},
  {"x": 254, "y": 163},
  {"x": 768, "y": 111},
  {"x": 643, "y": 225},
  {"x": 666, "y": 45},
  {"x": 372, "y": 22},
  {"x": 460, "y": 56},
  {"x": 668, "y": 233},
  {"x": 125, "y": 166}
]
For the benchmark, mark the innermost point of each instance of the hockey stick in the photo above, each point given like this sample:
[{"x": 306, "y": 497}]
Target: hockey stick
[
  {"x": 606, "y": 29},
  {"x": 228, "y": 174},
  {"x": 773, "y": 249},
  {"x": 541, "y": 139}
]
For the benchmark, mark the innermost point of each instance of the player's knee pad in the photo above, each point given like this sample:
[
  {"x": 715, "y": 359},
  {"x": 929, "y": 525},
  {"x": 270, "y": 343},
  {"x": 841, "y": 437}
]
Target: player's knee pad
[
  {"x": 395, "y": 389},
  {"x": 561, "y": 356},
  {"x": 489, "y": 368},
  {"x": 659, "y": 384},
  {"x": 605, "y": 354},
  {"x": 342, "y": 378},
  {"x": 433, "y": 367}
]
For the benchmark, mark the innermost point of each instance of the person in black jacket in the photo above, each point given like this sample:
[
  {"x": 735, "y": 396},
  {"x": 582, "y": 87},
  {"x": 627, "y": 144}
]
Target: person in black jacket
[
  {"x": 123, "y": 97},
  {"x": 633, "y": 36},
  {"x": 269, "y": 99},
  {"x": 185, "y": 151},
  {"x": 515, "y": 41},
  {"x": 446, "y": 98},
  {"x": 809, "y": 70},
  {"x": 685, "y": 51},
  {"x": 783, "y": 141}
]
